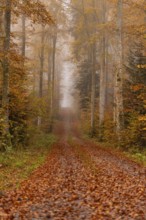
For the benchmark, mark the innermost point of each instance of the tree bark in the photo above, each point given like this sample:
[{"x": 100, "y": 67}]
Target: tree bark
[
  {"x": 6, "y": 67},
  {"x": 102, "y": 92},
  {"x": 118, "y": 93},
  {"x": 2, "y": 31},
  {"x": 49, "y": 67},
  {"x": 54, "y": 41},
  {"x": 93, "y": 76},
  {"x": 93, "y": 90},
  {"x": 41, "y": 70},
  {"x": 23, "y": 33}
]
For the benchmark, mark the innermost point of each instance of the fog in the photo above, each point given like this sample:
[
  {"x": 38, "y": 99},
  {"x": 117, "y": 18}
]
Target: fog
[{"x": 67, "y": 85}]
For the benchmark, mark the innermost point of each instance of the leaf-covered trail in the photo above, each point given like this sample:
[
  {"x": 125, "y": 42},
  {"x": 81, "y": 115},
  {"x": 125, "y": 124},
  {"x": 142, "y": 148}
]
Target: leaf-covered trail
[{"x": 79, "y": 181}]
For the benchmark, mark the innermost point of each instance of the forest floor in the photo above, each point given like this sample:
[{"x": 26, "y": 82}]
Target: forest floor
[{"x": 79, "y": 180}]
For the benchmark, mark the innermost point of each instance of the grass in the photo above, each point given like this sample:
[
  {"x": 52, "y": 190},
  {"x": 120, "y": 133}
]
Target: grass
[
  {"x": 137, "y": 156},
  {"x": 17, "y": 165},
  {"x": 133, "y": 153}
]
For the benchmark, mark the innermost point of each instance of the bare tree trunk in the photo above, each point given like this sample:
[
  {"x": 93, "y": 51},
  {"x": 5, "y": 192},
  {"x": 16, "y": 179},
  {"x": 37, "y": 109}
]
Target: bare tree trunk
[
  {"x": 23, "y": 33},
  {"x": 2, "y": 31},
  {"x": 102, "y": 93},
  {"x": 53, "y": 81},
  {"x": 93, "y": 90},
  {"x": 106, "y": 68},
  {"x": 85, "y": 19},
  {"x": 118, "y": 93},
  {"x": 39, "y": 122},
  {"x": 93, "y": 77},
  {"x": 6, "y": 69},
  {"x": 103, "y": 70},
  {"x": 49, "y": 79},
  {"x": 49, "y": 68},
  {"x": 57, "y": 84}
]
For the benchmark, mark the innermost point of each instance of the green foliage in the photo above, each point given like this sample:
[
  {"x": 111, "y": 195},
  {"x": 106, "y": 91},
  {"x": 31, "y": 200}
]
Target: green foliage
[
  {"x": 108, "y": 132},
  {"x": 134, "y": 132},
  {"x": 43, "y": 139},
  {"x": 18, "y": 164},
  {"x": 134, "y": 135},
  {"x": 140, "y": 156},
  {"x": 131, "y": 137},
  {"x": 137, "y": 155},
  {"x": 85, "y": 122},
  {"x": 39, "y": 107},
  {"x": 17, "y": 106},
  {"x": 5, "y": 138}
]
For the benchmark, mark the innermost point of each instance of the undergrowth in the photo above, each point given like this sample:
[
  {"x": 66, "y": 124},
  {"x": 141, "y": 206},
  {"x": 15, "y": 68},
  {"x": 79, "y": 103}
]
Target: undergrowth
[
  {"x": 137, "y": 156},
  {"x": 17, "y": 164},
  {"x": 134, "y": 153}
]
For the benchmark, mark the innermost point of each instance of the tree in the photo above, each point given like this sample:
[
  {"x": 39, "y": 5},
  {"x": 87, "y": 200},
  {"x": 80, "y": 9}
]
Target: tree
[
  {"x": 6, "y": 69},
  {"x": 23, "y": 32},
  {"x": 13, "y": 68},
  {"x": 103, "y": 67},
  {"x": 118, "y": 96},
  {"x": 41, "y": 69}
]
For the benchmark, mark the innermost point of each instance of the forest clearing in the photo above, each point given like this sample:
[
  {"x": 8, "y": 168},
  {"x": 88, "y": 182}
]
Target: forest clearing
[{"x": 72, "y": 109}]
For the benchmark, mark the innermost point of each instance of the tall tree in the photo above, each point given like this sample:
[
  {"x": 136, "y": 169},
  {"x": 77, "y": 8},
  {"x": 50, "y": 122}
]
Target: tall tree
[
  {"x": 103, "y": 83},
  {"x": 118, "y": 93},
  {"x": 1, "y": 24},
  {"x": 23, "y": 32},
  {"x": 6, "y": 65},
  {"x": 41, "y": 73},
  {"x": 93, "y": 76},
  {"x": 54, "y": 41}
]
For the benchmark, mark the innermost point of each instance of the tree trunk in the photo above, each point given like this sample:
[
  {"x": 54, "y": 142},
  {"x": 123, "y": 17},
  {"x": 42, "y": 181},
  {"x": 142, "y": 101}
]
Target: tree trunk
[
  {"x": 93, "y": 77},
  {"x": 23, "y": 33},
  {"x": 102, "y": 93},
  {"x": 53, "y": 82},
  {"x": 93, "y": 90},
  {"x": 118, "y": 93},
  {"x": 103, "y": 70},
  {"x": 41, "y": 70},
  {"x": 49, "y": 68},
  {"x": 49, "y": 79},
  {"x": 2, "y": 31},
  {"x": 6, "y": 69}
]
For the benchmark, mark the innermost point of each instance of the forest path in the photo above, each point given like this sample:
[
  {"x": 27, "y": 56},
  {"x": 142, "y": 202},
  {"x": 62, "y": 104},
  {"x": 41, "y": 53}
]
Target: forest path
[{"x": 79, "y": 181}]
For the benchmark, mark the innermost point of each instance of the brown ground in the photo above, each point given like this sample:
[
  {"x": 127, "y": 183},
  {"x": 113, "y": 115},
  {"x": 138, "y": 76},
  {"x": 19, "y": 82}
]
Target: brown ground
[{"x": 79, "y": 181}]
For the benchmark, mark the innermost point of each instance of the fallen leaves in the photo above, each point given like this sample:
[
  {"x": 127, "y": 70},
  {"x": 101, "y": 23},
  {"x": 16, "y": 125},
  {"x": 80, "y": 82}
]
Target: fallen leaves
[{"x": 94, "y": 186}]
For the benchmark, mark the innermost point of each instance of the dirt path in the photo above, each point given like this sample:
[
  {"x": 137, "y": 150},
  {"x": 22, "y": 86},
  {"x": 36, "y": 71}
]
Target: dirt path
[{"x": 79, "y": 181}]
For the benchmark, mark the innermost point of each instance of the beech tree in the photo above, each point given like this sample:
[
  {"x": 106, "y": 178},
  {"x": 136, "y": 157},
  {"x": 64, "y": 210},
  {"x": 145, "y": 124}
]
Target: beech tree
[
  {"x": 111, "y": 28},
  {"x": 32, "y": 36},
  {"x": 13, "y": 65},
  {"x": 118, "y": 95}
]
